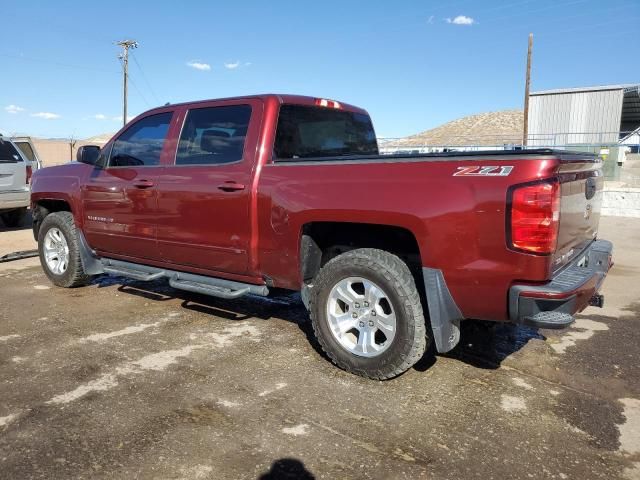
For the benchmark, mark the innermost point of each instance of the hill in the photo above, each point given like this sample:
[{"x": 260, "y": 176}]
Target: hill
[{"x": 489, "y": 129}]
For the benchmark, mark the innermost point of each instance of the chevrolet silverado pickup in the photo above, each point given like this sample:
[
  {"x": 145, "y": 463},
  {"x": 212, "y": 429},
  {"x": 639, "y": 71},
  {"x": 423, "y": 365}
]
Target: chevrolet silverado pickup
[{"x": 390, "y": 253}]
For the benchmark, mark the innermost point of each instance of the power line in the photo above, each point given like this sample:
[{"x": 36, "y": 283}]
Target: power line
[
  {"x": 60, "y": 64},
  {"x": 144, "y": 77},
  {"x": 536, "y": 10},
  {"x": 135, "y": 87}
]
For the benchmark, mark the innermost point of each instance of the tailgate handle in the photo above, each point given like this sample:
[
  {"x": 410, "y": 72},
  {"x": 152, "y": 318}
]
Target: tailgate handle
[
  {"x": 231, "y": 186},
  {"x": 143, "y": 184}
]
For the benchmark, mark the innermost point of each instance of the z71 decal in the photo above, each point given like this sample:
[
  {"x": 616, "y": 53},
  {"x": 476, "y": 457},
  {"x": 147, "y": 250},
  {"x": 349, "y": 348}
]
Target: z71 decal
[{"x": 483, "y": 171}]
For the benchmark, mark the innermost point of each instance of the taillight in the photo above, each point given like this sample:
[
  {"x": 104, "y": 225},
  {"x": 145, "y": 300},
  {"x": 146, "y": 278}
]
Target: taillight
[
  {"x": 534, "y": 217},
  {"x": 29, "y": 173}
]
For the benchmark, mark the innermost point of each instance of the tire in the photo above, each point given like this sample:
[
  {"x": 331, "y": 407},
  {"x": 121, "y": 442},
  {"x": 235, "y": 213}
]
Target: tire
[
  {"x": 14, "y": 218},
  {"x": 400, "y": 350},
  {"x": 62, "y": 225}
]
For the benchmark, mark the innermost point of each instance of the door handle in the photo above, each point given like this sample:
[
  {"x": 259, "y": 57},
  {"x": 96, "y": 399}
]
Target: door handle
[
  {"x": 143, "y": 184},
  {"x": 231, "y": 186}
]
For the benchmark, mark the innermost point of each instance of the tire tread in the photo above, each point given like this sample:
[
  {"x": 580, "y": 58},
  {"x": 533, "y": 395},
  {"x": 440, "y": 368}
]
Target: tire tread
[
  {"x": 75, "y": 275},
  {"x": 398, "y": 274}
]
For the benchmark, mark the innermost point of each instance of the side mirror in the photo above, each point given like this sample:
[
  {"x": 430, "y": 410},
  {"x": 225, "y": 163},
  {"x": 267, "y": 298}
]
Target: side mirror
[{"x": 88, "y": 154}]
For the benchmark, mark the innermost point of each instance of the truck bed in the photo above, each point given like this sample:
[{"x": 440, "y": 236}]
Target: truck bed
[{"x": 564, "y": 155}]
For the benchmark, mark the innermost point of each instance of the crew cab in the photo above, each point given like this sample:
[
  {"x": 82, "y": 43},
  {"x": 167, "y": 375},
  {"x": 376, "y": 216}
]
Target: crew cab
[
  {"x": 244, "y": 195},
  {"x": 15, "y": 177}
]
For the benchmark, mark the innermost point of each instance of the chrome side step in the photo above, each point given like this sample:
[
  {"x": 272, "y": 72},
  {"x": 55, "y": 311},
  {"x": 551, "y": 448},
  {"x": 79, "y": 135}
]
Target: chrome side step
[
  {"x": 215, "y": 287},
  {"x": 136, "y": 275},
  {"x": 205, "y": 289}
]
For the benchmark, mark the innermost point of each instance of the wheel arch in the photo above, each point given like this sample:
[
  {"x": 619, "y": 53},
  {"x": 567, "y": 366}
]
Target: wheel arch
[
  {"x": 42, "y": 207},
  {"x": 320, "y": 241}
]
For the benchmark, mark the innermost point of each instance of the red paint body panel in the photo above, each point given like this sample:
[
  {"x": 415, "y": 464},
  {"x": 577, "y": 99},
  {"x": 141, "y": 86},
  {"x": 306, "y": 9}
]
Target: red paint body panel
[
  {"x": 185, "y": 222},
  {"x": 458, "y": 222},
  {"x": 198, "y": 224}
]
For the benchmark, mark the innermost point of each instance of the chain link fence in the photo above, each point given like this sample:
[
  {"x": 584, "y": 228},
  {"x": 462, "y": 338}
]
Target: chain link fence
[{"x": 620, "y": 151}]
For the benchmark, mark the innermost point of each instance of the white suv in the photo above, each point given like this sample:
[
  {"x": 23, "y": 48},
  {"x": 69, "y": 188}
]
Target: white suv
[{"x": 15, "y": 178}]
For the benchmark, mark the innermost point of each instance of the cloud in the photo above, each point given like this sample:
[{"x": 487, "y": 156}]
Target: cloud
[
  {"x": 232, "y": 65},
  {"x": 461, "y": 20},
  {"x": 14, "y": 109},
  {"x": 430, "y": 20},
  {"x": 100, "y": 116},
  {"x": 46, "y": 115},
  {"x": 205, "y": 67}
]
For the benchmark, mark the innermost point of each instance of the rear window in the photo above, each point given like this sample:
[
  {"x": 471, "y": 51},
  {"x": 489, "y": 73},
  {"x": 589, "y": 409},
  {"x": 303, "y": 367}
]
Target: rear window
[
  {"x": 8, "y": 152},
  {"x": 317, "y": 132},
  {"x": 26, "y": 150}
]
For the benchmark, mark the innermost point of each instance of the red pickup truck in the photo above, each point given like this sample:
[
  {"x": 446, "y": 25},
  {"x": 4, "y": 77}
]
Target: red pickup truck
[{"x": 241, "y": 195}]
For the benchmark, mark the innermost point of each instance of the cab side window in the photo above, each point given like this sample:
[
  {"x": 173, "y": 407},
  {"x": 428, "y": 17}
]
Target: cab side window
[
  {"x": 141, "y": 144},
  {"x": 213, "y": 135}
]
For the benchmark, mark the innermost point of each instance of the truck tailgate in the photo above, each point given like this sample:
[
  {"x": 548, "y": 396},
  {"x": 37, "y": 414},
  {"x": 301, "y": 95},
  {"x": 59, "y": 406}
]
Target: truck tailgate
[
  {"x": 581, "y": 184},
  {"x": 12, "y": 175}
]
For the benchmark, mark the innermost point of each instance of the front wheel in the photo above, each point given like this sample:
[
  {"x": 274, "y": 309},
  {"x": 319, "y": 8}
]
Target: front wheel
[
  {"x": 59, "y": 249},
  {"x": 367, "y": 314}
]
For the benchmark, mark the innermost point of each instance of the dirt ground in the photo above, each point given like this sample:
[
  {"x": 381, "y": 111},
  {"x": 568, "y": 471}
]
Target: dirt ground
[{"x": 123, "y": 379}]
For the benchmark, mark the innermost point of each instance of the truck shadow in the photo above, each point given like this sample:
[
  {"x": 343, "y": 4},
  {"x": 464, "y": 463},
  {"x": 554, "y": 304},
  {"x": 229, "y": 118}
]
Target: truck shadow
[
  {"x": 482, "y": 345},
  {"x": 487, "y": 344}
]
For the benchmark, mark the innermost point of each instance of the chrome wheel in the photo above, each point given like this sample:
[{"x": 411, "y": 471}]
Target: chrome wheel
[
  {"x": 361, "y": 317},
  {"x": 56, "y": 251}
]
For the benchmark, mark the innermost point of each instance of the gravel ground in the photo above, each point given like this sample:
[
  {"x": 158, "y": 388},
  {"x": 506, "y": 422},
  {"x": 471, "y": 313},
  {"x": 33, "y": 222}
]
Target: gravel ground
[{"x": 123, "y": 379}]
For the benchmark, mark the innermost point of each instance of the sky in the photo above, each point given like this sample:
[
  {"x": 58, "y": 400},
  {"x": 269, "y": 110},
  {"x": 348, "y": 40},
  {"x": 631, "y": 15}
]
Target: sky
[{"x": 412, "y": 64}]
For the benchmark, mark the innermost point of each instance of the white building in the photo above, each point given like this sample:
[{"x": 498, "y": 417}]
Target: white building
[{"x": 584, "y": 116}]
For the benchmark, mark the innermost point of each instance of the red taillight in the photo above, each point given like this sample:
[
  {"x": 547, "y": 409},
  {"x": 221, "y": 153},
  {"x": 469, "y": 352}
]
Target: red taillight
[
  {"x": 534, "y": 217},
  {"x": 29, "y": 173},
  {"x": 323, "y": 102}
]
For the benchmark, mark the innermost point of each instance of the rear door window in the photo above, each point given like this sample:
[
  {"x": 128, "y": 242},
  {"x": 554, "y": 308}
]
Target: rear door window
[
  {"x": 213, "y": 135},
  {"x": 8, "y": 153},
  {"x": 141, "y": 144},
  {"x": 317, "y": 132}
]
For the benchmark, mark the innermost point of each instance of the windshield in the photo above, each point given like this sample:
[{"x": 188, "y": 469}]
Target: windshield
[{"x": 316, "y": 132}]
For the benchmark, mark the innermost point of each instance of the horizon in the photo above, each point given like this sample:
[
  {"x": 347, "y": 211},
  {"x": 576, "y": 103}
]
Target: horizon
[{"x": 413, "y": 67}]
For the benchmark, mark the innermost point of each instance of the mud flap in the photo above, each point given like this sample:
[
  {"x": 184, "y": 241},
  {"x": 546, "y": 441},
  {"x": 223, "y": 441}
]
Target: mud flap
[
  {"x": 444, "y": 314},
  {"x": 90, "y": 263}
]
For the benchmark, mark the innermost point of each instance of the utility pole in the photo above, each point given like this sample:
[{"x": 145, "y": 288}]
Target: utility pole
[
  {"x": 525, "y": 133},
  {"x": 124, "y": 56}
]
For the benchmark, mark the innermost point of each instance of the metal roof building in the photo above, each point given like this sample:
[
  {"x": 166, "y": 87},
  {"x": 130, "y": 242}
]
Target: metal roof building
[{"x": 583, "y": 116}]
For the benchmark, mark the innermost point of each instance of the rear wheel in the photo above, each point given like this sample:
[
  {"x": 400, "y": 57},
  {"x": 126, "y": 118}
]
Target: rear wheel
[
  {"x": 59, "y": 250},
  {"x": 367, "y": 315},
  {"x": 14, "y": 218}
]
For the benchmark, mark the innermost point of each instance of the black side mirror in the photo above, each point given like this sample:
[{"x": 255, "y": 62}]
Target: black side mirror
[{"x": 88, "y": 154}]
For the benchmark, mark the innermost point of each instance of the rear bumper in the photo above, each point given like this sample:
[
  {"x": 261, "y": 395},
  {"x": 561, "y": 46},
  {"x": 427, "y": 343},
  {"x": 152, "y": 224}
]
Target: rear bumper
[
  {"x": 553, "y": 304},
  {"x": 14, "y": 199}
]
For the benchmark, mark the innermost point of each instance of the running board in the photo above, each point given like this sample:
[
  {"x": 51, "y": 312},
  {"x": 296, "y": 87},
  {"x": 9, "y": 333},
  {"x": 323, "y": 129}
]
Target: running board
[
  {"x": 205, "y": 289},
  {"x": 135, "y": 275},
  {"x": 215, "y": 287}
]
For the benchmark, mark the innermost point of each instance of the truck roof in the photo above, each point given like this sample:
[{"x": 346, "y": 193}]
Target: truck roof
[{"x": 277, "y": 97}]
